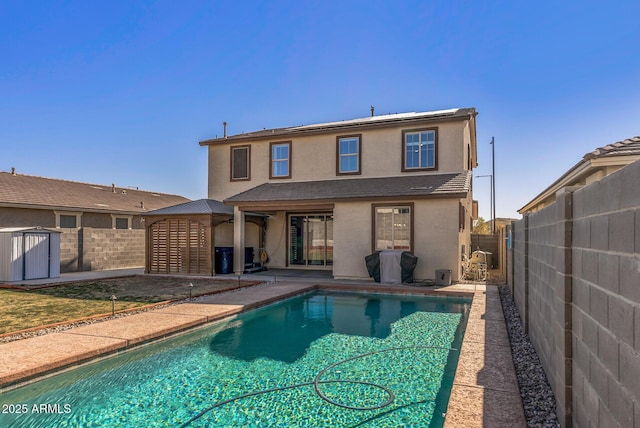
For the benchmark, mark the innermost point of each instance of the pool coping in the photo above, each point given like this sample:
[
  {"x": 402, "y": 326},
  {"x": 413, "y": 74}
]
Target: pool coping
[{"x": 485, "y": 390}]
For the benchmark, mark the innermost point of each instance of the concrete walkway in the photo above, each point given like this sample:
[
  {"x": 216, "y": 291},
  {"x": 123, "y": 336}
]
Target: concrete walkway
[
  {"x": 485, "y": 391},
  {"x": 77, "y": 276}
]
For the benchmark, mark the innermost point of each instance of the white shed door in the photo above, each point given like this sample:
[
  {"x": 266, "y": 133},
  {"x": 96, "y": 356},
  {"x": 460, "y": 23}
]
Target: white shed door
[{"x": 36, "y": 255}]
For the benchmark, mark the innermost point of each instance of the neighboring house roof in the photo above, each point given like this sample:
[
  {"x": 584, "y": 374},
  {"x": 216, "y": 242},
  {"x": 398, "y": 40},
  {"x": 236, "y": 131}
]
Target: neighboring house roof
[
  {"x": 593, "y": 166},
  {"x": 414, "y": 186},
  {"x": 628, "y": 147},
  {"x": 27, "y": 191},
  {"x": 200, "y": 206},
  {"x": 361, "y": 123}
]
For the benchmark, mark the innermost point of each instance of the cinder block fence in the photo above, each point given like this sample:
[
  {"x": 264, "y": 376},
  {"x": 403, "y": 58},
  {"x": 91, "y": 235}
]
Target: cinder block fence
[
  {"x": 88, "y": 249},
  {"x": 574, "y": 269}
]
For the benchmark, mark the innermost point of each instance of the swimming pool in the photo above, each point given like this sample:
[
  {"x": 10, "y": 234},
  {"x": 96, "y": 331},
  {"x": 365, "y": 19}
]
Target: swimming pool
[{"x": 318, "y": 359}]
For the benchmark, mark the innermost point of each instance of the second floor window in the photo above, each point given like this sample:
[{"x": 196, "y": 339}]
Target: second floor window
[
  {"x": 280, "y": 160},
  {"x": 419, "y": 149},
  {"x": 240, "y": 163},
  {"x": 348, "y": 154}
]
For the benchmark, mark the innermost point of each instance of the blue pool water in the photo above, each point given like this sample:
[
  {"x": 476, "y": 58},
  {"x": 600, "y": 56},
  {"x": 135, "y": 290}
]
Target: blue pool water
[{"x": 314, "y": 360}]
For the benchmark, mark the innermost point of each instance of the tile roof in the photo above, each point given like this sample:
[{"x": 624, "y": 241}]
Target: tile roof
[
  {"x": 39, "y": 192},
  {"x": 381, "y": 120},
  {"x": 628, "y": 147},
  {"x": 433, "y": 185},
  {"x": 200, "y": 206}
]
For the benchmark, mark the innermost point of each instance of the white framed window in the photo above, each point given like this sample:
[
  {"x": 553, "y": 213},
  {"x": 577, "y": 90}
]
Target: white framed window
[
  {"x": 392, "y": 227},
  {"x": 348, "y": 157},
  {"x": 240, "y": 163},
  {"x": 280, "y": 159},
  {"x": 68, "y": 219},
  {"x": 419, "y": 149},
  {"x": 121, "y": 222}
]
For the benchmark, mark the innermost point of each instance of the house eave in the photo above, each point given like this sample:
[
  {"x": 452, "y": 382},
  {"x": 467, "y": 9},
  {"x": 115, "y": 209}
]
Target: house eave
[{"x": 328, "y": 204}]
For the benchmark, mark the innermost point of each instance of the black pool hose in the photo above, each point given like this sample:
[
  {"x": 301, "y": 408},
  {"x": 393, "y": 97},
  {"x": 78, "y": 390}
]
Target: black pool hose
[{"x": 317, "y": 382}]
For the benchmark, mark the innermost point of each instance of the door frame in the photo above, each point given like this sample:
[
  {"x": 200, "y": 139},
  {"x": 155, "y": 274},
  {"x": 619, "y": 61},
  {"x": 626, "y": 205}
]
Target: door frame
[{"x": 306, "y": 265}]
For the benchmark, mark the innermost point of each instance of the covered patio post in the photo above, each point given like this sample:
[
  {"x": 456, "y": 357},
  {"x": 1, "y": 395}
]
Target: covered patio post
[{"x": 238, "y": 241}]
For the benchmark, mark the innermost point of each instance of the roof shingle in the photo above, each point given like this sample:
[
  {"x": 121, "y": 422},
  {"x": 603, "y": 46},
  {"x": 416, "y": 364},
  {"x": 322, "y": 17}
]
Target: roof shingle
[
  {"x": 200, "y": 206},
  {"x": 39, "y": 192},
  {"x": 434, "y": 185}
]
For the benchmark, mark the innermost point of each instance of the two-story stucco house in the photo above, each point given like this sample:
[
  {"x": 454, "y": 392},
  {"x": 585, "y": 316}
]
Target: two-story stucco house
[{"x": 336, "y": 192}]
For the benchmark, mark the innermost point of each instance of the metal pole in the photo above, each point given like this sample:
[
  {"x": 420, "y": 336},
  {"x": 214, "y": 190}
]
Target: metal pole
[
  {"x": 490, "y": 194},
  {"x": 493, "y": 184}
]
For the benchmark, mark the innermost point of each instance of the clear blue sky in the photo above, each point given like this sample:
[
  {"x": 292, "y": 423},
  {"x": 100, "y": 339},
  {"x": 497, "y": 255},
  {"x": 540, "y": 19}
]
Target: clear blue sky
[{"x": 122, "y": 91}]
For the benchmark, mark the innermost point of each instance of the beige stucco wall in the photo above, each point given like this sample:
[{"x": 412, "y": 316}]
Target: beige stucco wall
[
  {"x": 465, "y": 234},
  {"x": 276, "y": 240},
  {"x": 314, "y": 158},
  {"x": 21, "y": 217},
  {"x": 223, "y": 236},
  {"x": 437, "y": 238},
  {"x": 351, "y": 239}
]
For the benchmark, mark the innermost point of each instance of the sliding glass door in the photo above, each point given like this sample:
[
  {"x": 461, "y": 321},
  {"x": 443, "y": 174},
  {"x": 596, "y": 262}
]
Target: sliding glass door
[{"x": 311, "y": 240}]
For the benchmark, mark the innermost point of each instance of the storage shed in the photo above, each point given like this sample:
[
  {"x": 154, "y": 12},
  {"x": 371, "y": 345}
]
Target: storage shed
[
  {"x": 29, "y": 253},
  {"x": 181, "y": 239}
]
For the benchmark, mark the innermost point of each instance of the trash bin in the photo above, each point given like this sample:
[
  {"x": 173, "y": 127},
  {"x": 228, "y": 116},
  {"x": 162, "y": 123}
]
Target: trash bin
[
  {"x": 248, "y": 255},
  {"x": 443, "y": 276},
  {"x": 224, "y": 259}
]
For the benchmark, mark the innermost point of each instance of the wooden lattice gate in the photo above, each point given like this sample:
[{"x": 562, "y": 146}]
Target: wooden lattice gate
[{"x": 179, "y": 245}]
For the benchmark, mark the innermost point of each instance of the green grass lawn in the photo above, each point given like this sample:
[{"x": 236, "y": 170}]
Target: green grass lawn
[{"x": 22, "y": 310}]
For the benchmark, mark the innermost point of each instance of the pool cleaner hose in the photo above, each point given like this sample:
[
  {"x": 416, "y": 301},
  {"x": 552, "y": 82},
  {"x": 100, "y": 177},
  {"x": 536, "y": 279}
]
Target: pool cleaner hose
[{"x": 317, "y": 381}]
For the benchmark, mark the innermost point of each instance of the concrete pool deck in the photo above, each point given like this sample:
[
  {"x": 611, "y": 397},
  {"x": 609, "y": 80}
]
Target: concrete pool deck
[{"x": 485, "y": 390}]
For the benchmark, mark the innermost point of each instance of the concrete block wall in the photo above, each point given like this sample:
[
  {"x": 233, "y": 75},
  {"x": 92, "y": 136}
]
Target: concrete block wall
[
  {"x": 506, "y": 261},
  {"x": 606, "y": 306},
  {"x": 576, "y": 280},
  {"x": 112, "y": 248},
  {"x": 542, "y": 290},
  {"x": 87, "y": 249},
  {"x": 70, "y": 250},
  {"x": 520, "y": 268},
  {"x": 487, "y": 243}
]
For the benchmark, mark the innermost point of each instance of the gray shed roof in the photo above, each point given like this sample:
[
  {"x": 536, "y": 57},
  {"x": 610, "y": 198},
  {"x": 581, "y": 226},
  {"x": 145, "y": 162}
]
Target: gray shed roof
[
  {"x": 28, "y": 229},
  {"x": 200, "y": 206},
  {"x": 413, "y": 186}
]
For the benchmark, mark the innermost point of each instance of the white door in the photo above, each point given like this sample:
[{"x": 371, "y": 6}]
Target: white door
[{"x": 36, "y": 255}]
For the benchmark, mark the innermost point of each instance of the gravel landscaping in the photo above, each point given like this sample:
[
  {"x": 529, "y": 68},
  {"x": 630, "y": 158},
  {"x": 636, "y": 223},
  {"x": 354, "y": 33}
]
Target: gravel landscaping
[{"x": 537, "y": 397}]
